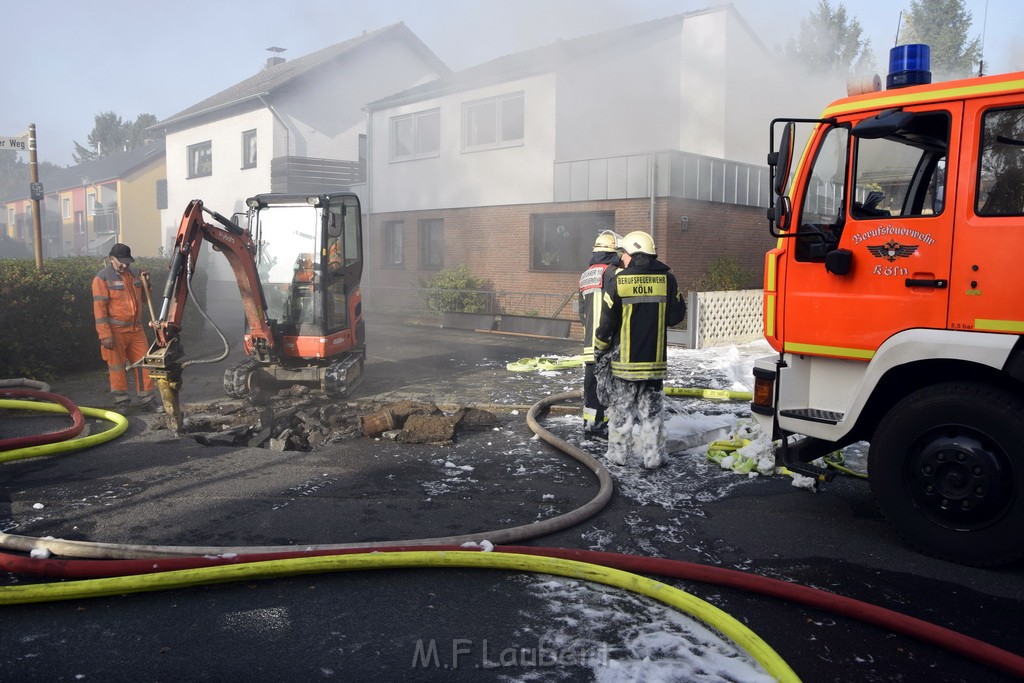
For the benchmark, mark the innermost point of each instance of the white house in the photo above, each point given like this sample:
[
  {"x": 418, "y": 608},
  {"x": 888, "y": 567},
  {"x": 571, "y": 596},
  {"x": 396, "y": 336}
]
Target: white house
[
  {"x": 296, "y": 126},
  {"x": 512, "y": 167}
]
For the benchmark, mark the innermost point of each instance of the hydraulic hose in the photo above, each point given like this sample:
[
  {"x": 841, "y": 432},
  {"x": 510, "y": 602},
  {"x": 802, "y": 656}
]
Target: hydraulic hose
[
  {"x": 77, "y": 420},
  {"x": 120, "y": 425},
  {"x": 713, "y": 616},
  {"x": 504, "y": 536}
]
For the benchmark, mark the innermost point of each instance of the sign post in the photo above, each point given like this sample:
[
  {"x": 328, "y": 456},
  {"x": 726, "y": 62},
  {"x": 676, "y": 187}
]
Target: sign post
[{"x": 36, "y": 194}]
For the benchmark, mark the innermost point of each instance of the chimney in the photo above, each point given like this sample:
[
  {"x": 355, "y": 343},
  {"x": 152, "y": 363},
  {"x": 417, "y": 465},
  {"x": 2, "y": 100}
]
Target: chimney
[{"x": 275, "y": 58}]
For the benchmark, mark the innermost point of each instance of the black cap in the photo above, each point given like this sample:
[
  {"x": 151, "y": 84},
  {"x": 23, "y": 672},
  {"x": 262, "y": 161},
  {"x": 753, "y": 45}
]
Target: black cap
[{"x": 122, "y": 253}]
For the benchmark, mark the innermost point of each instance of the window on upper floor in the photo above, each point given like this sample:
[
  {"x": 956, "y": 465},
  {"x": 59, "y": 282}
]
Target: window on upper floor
[
  {"x": 200, "y": 160},
  {"x": 416, "y": 136},
  {"x": 394, "y": 234},
  {"x": 249, "y": 149},
  {"x": 564, "y": 242},
  {"x": 65, "y": 208},
  {"x": 90, "y": 204},
  {"x": 432, "y": 243},
  {"x": 493, "y": 122}
]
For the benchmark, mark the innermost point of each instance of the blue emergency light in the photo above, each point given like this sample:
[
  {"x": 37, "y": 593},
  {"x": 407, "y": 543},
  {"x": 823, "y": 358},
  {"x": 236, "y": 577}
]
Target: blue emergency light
[{"x": 909, "y": 65}]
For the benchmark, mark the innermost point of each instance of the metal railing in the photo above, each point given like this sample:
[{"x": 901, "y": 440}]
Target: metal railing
[{"x": 424, "y": 301}]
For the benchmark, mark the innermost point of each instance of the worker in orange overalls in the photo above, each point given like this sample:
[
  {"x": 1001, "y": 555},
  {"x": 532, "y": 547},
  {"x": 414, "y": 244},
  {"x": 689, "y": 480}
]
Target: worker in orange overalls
[{"x": 117, "y": 306}]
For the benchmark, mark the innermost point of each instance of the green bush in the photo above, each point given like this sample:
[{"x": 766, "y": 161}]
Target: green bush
[
  {"x": 725, "y": 274},
  {"x": 457, "y": 290},
  {"x": 46, "y": 322}
]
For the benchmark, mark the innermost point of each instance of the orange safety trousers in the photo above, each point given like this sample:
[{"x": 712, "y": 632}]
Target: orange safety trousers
[{"x": 130, "y": 345}]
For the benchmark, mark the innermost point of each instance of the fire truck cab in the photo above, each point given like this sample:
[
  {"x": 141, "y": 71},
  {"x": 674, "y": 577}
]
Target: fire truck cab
[{"x": 895, "y": 301}]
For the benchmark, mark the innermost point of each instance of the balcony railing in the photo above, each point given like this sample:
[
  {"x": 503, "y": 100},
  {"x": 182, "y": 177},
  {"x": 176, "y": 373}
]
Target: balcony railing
[{"x": 675, "y": 174}]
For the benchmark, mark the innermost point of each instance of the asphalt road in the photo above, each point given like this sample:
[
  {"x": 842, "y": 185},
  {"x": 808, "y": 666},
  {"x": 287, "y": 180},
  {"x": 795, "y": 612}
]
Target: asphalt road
[{"x": 148, "y": 487}]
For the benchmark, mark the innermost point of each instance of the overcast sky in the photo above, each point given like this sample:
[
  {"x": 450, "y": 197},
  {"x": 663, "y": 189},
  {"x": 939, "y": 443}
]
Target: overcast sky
[{"x": 68, "y": 60}]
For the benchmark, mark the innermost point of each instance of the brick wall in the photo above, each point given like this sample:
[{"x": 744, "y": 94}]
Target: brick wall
[{"x": 494, "y": 241}]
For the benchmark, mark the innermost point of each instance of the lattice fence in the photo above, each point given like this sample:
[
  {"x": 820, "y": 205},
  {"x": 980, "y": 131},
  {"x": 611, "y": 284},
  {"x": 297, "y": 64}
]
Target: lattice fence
[{"x": 717, "y": 318}]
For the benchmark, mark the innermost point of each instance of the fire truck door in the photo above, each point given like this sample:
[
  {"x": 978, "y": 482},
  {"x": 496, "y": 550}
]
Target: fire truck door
[
  {"x": 987, "y": 278},
  {"x": 884, "y": 202}
]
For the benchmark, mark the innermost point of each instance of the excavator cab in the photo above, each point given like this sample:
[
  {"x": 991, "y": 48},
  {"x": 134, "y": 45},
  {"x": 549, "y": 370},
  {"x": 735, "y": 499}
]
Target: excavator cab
[{"x": 309, "y": 259}]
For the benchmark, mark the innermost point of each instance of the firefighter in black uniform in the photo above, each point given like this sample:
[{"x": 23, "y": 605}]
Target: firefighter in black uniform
[
  {"x": 641, "y": 302},
  {"x": 603, "y": 263}
]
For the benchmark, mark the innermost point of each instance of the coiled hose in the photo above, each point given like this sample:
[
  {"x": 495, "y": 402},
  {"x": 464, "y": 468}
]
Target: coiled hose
[
  {"x": 119, "y": 421},
  {"x": 77, "y": 420}
]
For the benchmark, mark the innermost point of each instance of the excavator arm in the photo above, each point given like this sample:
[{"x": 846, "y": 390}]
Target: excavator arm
[{"x": 164, "y": 357}]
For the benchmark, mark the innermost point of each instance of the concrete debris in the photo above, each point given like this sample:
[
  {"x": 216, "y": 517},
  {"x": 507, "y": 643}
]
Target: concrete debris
[
  {"x": 436, "y": 429},
  {"x": 418, "y": 422},
  {"x": 298, "y": 419}
]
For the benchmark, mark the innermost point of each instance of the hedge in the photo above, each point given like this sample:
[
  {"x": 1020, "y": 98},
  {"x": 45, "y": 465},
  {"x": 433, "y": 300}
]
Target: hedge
[{"x": 46, "y": 321}]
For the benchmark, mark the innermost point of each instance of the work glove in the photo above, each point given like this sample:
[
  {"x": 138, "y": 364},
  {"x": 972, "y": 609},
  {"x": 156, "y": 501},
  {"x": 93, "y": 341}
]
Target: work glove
[{"x": 107, "y": 343}]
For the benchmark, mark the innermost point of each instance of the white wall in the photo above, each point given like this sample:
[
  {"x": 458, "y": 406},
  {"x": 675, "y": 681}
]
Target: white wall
[
  {"x": 625, "y": 100},
  {"x": 228, "y": 187},
  {"x": 325, "y": 116},
  {"x": 226, "y": 190},
  {"x": 454, "y": 178},
  {"x": 703, "y": 84},
  {"x": 757, "y": 92}
]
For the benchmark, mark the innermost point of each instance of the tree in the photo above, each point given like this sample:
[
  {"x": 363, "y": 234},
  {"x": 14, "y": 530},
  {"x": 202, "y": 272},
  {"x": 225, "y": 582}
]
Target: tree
[
  {"x": 138, "y": 134},
  {"x": 830, "y": 42},
  {"x": 110, "y": 135},
  {"x": 943, "y": 25},
  {"x": 14, "y": 175}
]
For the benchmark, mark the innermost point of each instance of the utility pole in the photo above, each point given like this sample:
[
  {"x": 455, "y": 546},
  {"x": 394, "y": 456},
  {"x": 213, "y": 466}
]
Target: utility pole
[{"x": 36, "y": 193}]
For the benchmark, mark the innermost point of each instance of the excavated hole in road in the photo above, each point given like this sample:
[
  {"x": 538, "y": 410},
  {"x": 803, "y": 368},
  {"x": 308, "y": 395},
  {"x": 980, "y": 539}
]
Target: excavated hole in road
[{"x": 299, "y": 419}]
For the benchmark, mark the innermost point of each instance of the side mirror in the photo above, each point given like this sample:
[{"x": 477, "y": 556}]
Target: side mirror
[
  {"x": 783, "y": 158},
  {"x": 839, "y": 261}
]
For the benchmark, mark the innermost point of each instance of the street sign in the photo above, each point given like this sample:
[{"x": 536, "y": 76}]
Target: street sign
[
  {"x": 15, "y": 142},
  {"x": 36, "y": 191}
]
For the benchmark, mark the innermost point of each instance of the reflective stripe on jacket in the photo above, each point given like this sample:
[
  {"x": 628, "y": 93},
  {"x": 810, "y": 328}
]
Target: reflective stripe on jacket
[
  {"x": 116, "y": 301},
  {"x": 591, "y": 287}
]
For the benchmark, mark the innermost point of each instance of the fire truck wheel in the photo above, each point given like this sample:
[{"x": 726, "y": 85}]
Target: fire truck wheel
[
  {"x": 239, "y": 380},
  {"x": 946, "y": 468}
]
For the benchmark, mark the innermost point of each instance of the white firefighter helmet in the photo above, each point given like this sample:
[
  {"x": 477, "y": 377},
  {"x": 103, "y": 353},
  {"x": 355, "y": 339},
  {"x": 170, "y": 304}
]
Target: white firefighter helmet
[
  {"x": 638, "y": 242},
  {"x": 607, "y": 241}
]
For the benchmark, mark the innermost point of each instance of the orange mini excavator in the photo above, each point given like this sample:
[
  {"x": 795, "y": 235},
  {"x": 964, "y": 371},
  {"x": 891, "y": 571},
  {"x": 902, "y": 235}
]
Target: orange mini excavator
[{"x": 298, "y": 267}]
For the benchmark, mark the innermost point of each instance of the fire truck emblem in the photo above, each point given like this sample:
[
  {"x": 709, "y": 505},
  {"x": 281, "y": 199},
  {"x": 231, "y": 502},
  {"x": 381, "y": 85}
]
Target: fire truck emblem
[{"x": 892, "y": 250}]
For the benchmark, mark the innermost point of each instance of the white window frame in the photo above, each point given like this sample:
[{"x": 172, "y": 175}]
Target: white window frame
[
  {"x": 475, "y": 118},
  {"x": 90, "y": 204},
  {"x": 196, "y": 168},
  {"x": 419, "y": 135},
  {"x": 65, "y": 208},
  {"x": 394, "y": 244},
  {"x": 249, "y": 157}
]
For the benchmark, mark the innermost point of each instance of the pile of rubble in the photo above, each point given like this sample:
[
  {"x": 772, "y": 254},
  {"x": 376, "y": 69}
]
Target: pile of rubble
[
  {"x": 298, "y": 419},
  {"x": 418, "y": 422}
]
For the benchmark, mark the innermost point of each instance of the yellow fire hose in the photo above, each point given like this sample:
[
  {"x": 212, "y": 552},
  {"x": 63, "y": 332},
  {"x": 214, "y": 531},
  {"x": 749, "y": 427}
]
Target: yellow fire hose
[{"x": 749, "y": 641}]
